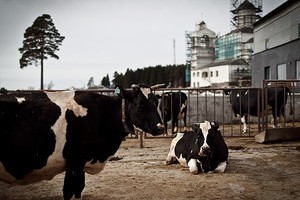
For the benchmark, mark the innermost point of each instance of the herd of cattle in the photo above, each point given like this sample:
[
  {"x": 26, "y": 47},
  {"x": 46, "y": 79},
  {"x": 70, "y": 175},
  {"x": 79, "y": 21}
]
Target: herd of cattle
[{"x": 46, "y": 133}]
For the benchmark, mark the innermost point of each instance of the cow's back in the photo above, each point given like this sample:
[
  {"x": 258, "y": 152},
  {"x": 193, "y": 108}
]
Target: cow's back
[{"x": 26, "y": 135}]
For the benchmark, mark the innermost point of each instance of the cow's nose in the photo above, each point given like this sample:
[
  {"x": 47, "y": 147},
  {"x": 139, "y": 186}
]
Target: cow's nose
[
  {"x": 206, "y": 150},
  {"x": 159, "y": 129},
  {"x": 160, "y": 126}
]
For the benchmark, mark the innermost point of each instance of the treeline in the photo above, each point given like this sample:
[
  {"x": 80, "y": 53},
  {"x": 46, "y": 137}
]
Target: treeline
[{"x": 171, "y": 75}]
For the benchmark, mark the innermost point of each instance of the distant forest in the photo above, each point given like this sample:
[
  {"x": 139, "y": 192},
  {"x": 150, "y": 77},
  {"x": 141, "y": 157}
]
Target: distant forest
[{"x": 171, "y": 75}]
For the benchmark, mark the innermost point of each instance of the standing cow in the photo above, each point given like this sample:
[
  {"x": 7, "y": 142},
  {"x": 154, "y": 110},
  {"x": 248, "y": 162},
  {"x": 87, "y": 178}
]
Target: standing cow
[
  {"x": 201, "y": 150},
  {"x": 46, "y": 133},
  {"x": 249, "y": 102},
  {"x": 173, "y": 107}
]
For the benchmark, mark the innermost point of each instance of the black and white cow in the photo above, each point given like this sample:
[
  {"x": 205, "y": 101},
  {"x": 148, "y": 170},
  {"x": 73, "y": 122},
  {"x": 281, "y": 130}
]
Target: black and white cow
[
  {"x": 46, "y": 133},
  {"x": 173, "y": 107},
  {"x": 249, "y": 102},
  {"x": 201, "y": 150}
]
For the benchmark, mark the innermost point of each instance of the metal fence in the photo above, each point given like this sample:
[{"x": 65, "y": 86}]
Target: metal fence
[
  {"x": 291, "y": 115},
  {"x": 212, "y": 104}
]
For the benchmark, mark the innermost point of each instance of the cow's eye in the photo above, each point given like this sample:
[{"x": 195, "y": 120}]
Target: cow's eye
[
  {"x": 210, "y": 135},
  {"x": 142, "y": 107},
  {"x": 200, "y": 136}
]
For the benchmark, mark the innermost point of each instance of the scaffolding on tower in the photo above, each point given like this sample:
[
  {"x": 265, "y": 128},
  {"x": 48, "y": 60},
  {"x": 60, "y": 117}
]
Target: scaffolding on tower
[
  {"x": 234, "y": 4},
  {"x": 188, "y": 58}
]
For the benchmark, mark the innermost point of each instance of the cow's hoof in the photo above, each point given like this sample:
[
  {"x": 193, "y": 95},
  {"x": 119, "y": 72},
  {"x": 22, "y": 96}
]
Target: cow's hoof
[{"x": 221, "y": 167}]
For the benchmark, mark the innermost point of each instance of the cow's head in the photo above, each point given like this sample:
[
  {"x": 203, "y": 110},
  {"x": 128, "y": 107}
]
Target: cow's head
[
  {"x": 165, "y": 105},
  {"x": 141, "y": 109},
  {"x": 172, "y": 101},
  {"x": 206, "y": 132}
]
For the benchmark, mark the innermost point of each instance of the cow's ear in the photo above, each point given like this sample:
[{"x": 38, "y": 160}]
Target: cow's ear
[
  {"x": 135, "y": 88},
  {"x": 195, "y": 127},
  {"x": 214, "y": 125},
  {"x": 124, "y": 94},
  {"x": 227, "y": 91}
]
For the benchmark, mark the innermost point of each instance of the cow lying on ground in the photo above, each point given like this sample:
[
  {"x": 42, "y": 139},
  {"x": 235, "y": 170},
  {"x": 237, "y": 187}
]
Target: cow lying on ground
[
  {"x": 173, "y": 107},
  {"x": 249, "y": 102},
  {"x": 201, "y": 150},
  {"x": 46, "y": 133}
]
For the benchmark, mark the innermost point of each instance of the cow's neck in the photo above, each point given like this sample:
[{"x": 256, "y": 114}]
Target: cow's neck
[{"x": 127, "y": 126}]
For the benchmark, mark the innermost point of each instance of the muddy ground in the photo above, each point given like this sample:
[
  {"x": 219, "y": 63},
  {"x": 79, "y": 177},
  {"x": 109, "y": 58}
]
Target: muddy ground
[{"x": 255, "y": 171}]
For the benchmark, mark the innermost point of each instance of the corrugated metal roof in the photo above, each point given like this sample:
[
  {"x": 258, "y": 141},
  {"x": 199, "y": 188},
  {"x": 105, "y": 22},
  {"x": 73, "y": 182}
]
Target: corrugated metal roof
[{"x": 226, "y": 62}]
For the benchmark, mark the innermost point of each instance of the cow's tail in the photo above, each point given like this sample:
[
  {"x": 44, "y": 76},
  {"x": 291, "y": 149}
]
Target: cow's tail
[{"x": 183, "y": 106}]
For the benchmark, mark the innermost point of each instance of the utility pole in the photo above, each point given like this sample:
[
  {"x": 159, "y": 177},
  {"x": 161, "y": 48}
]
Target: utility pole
[{"x": 174, "y": 51}]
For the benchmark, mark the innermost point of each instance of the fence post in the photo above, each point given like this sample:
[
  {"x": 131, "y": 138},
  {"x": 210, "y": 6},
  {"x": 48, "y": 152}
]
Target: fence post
[{"x": 141, "y": 136}]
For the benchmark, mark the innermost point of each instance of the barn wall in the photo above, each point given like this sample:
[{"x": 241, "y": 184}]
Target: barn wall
[{"x": 288, "y": 54}]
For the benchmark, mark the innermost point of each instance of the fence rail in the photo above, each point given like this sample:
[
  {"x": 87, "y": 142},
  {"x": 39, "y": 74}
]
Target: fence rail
[{"x": 213, "y": 104}]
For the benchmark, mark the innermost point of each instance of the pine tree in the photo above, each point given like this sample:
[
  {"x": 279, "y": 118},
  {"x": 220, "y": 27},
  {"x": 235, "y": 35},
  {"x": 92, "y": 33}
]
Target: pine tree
[
  {"x": 105, "y": 81},
  {"x": 41, "y": 40}
]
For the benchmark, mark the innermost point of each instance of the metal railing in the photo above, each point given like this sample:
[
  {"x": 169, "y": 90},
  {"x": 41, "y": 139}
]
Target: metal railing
[{"x": 213, "y": 104}]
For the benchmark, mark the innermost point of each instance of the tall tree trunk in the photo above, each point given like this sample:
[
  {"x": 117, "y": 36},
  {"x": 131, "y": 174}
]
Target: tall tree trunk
[
  {"x": 42, "y": 71},
  {"x": 42, "y": 63}
]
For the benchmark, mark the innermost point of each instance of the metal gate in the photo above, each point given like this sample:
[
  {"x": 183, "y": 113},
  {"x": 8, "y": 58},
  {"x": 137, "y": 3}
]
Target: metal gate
[{"x": 287, "y": 125}]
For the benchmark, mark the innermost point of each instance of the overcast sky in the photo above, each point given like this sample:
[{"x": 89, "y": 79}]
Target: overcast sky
[{"x": 104, "y": 36}]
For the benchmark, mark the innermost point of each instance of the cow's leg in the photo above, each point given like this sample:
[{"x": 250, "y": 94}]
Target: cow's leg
[
  {"x": 275, "y": 119},
  {"x": 282, "y": 114},
  {"x": 204, "y": 163},
  {"x": 171, "y": 158},
  {"x": 73, "y": 184},
  {"x": 166, "y": 126},
  {"x": 274, "y": 122},
  {"x": 193, "y": 167},
  {"x": 74, "y": 181},
  {"x": 244, "y": 121},
  {"x": 221, "y": 167},
  {"x": 175, "y": 126},
  {"x": 184, "y": 121},
  {"x": 80, "y": 184}
]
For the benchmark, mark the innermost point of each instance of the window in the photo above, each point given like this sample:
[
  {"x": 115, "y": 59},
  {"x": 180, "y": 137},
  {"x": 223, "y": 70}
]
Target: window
[
  {"x": 204, "y": 41},
  {"x": 204, "y": 75},
  {"x": 198, "y": 74},
  {"x": 267, "y": 44},
  {"x": 217, "y": 73},
  {"x": 194, "y": 74},
  {"x": 298, "y": 69},
  {"x": 267, "y": 74},
  {"x": 281, "y": 72},
  {"x": 211, "y": 74}
]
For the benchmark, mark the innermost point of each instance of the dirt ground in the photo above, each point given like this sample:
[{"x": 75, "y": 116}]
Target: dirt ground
[{"x": 255, "y": 171}]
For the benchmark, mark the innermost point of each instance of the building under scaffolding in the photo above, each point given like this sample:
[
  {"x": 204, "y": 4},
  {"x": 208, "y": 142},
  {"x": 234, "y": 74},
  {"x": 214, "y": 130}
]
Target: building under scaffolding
[
  {"x": 204, "y": 58},
  {"x": 239, "y": 43},
  {"x": 246, "y": 17},
  {"x": 235, "y": 45}
]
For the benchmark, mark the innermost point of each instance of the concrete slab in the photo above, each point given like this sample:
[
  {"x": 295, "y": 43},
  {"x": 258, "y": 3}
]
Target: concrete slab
[{"x": 278, "y": 135}]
